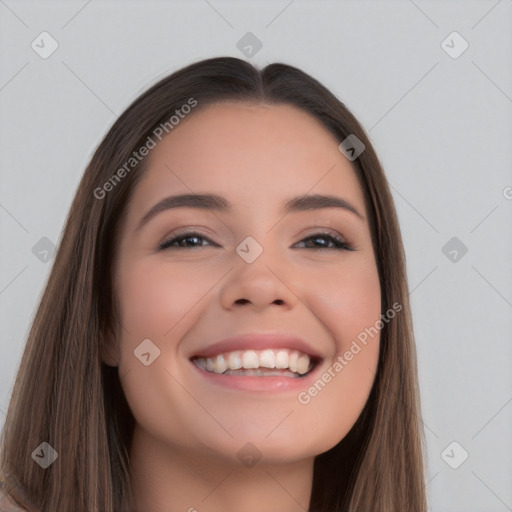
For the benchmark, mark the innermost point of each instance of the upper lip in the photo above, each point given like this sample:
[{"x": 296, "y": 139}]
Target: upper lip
[{"x": 257, "y": 341}]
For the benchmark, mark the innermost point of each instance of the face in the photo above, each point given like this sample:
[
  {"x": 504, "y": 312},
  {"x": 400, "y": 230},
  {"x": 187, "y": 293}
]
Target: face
[{"x": 297, "y": 286}]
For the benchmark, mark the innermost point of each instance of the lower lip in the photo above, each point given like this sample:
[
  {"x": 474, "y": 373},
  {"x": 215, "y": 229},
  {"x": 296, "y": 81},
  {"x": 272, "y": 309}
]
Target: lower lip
[{"x": 245, "y": 383}]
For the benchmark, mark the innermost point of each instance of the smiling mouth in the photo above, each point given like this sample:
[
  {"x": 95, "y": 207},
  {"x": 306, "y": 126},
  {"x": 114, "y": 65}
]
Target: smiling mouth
[{"x": 259, "y": 363}]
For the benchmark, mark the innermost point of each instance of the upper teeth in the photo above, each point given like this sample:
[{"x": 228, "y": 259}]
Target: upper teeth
[{"x": 297, "y": 362}]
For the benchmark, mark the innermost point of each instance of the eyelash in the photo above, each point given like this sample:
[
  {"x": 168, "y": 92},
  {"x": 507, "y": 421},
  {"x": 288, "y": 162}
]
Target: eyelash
[{"x": 340, "y": 244}]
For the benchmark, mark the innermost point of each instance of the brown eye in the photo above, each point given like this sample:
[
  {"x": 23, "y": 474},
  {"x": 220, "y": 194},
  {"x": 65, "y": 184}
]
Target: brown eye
[
  {"x": 184, "y": 241},
  {"x": 336, "y": 242}
]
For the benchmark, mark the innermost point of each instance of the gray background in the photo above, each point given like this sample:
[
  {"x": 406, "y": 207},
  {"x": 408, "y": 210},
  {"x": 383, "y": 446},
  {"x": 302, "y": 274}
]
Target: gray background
[{"x": 442, "y": 127}]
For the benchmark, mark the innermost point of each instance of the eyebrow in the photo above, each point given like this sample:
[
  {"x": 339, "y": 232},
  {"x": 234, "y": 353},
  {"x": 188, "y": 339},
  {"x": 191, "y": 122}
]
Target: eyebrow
[{"x": 215, "y": 202}]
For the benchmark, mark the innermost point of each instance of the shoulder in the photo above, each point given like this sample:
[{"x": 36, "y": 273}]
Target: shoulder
[{"x": 7, "y": 504}]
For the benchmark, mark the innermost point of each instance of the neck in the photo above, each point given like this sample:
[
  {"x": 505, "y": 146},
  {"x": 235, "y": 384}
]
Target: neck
[{"x": 170, "y": 479}]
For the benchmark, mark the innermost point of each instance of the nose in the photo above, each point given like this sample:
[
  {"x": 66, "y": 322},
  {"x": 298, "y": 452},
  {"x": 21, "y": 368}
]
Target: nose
[{"x": 258, "y": 285}]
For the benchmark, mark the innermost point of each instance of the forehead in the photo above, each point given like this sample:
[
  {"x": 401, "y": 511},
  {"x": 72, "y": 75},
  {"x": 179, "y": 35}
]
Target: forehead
[{"x": 252, "y": 154}]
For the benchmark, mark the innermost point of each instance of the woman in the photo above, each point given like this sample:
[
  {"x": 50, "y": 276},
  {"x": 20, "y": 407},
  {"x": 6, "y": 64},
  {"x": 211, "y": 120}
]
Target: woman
[{"x": 197, "y": 347}]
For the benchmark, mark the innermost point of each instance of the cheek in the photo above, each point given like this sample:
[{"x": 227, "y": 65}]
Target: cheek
[
  {"x": 347, "y": 299},
  {"x": 154, "y": 298},
  {"x": 349, "y": 305},
  {"x": 159, "y": 303}
]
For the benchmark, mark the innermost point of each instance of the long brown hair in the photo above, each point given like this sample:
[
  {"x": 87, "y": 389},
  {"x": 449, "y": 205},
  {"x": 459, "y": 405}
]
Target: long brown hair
[{"x": 66, "y": 396}]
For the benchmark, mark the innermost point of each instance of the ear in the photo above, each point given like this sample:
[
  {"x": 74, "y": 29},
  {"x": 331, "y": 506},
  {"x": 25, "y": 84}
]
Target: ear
[{"x": 109, "y": 351}]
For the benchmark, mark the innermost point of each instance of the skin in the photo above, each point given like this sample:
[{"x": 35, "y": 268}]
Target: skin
[{"x": 188, "y": 431}]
